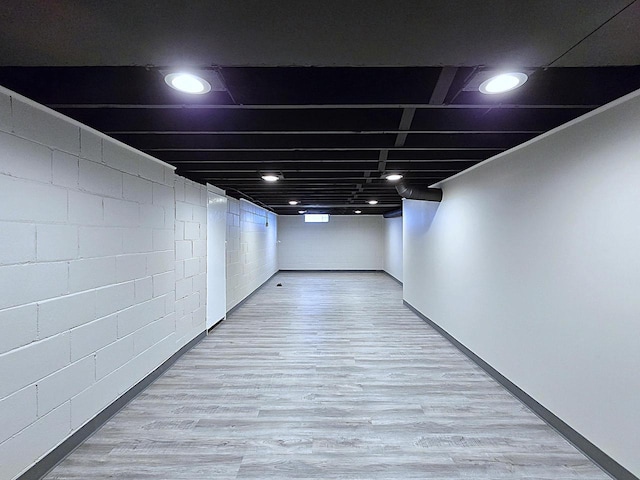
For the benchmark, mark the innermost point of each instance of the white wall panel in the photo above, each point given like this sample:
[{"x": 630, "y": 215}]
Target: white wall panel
[
  {"x": 393, "y": 252},
  {"x": 532, "y": 262}
]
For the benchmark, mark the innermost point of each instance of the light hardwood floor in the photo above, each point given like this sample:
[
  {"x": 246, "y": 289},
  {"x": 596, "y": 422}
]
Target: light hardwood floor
[{"x": 326, "y": 377}]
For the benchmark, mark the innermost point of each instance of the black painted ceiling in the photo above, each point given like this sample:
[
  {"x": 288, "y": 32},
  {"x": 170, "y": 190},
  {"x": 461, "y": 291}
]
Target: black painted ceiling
[{"x": 332, "y": 132}]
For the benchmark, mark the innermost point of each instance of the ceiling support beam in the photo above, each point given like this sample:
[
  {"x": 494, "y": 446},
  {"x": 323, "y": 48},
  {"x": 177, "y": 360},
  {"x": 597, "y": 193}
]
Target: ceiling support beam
[
  {"x": 443, "y": 85},
  {"x": 405, "y": 124},
  {"x": 318, "y": 132},
  {"x": 382, "y": 160},
  {"x": 322, "y": 149},
  {"x": 339, "y": 106},
  {"x": 297, "y": 162}
]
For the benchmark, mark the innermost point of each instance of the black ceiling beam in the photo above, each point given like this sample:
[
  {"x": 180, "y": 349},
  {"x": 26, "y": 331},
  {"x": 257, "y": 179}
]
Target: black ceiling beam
[
  {"x": 303, "y": 162},
  {"x": 320, "y": 149},
  {"x": 449, "y": 106},
  {"x": 320, "y": 132},
  {"x": 309, "y": 174}
]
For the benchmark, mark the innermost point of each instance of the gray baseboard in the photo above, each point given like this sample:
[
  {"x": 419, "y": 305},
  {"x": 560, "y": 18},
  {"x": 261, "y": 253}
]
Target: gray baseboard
[
  {"x": 244, "y": 300},
  {"x": 49, "y": 461},
  {"x": 394, "y": 278},
  {"x": 604, "y": 461},
  {"x": 330, "y": 270}
]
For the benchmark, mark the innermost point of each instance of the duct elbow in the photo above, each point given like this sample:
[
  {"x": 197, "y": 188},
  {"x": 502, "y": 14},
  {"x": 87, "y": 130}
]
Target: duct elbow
[{"x": 415, "y": 193}]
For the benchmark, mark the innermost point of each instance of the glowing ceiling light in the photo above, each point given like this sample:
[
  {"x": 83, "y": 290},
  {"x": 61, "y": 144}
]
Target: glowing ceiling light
[
  {"x": 358, "y": 211},
  {"x": 302, "y": 211},
  {"x": 503, "y": 83},
  {"x": 372, "y": 202},
  {"x": 393, "y": 177},
  {"x": 188, "y": 83},
  {"x": 293, "y": 202},
  {"x": 270, "y": 178}
]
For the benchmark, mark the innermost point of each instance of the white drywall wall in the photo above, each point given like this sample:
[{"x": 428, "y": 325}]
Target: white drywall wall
[
  {"x": 346, "y": 242},
  {"x": 532, "y": 261},
  {"x": 252, "y": 256},
  {"x": 393, "y": 247}
]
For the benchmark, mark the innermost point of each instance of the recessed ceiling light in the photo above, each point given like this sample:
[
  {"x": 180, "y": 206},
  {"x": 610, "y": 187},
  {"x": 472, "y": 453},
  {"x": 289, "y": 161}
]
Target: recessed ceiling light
[
  {"x": 503, "y": 83},
  {"x": 372, "y": 202},
  {"x": 302, "y": 211},
  {"x": 188, "y": 83},
  {"x": 293, "y": 202},
  {"x": 358, "y": 211},
  {"x": 270, "y": 178},
  {"x": 393, "y": 177}
]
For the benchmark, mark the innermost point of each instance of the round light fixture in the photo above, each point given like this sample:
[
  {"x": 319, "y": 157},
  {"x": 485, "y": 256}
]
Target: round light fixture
[
  {"x": 302, "y": 211},
  {"x": 393, "y": 177},
  {"x": 270, "y": 178},
  {"x": 503, "y": 83},
  {"x": 188, "y": 83},
  {"x": 293, "y": 202},
  {"x": 372, "y": 202},
  {"x": 358, "y": 211}
]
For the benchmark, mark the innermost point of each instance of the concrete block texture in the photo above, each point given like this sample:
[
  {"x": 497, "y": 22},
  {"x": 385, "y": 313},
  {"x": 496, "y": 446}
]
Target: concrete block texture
[
  {"x": 22, "y": 284},
  {"x": 22, "y": 158},
  {"x": 17, "y": 411},
  {"x": 56, "y": 389},
  {"x": 40, "y": 126},
  {"x": 19, "y": 327},
  {"x": 60, "y": 314},
  {"x": 100, "y": 179},
  {"x": 23, "y": 449},
  {"x": 19, "y": 368},
  {"x": 17, "y": 243},
  {"x": 29, "y": 201},
  {"x": 57, "y": 242},
  {"x": 88, "y": 258},
  {"x": 65, "y": 169}
]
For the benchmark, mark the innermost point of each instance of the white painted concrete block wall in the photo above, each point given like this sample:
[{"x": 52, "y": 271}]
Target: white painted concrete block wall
[
  {"x": 90, "y": 261},
  {"x": 191, "y": 259},
  {"x": 346, "y": 242},
  {"x": 393, "y": 254},
  {"x": 252, "y": 257}
]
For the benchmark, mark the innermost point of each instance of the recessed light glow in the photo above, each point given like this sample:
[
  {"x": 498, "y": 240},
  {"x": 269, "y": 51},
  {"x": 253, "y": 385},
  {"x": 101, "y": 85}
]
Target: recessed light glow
[
  {"x": 503, "y": 83},
  {"x": 270, "y": 178},
  {"x": 316, "y": 218},
  {"x": 372, "y": 202},
  {"x": 393, "y": 177},
  {"x": 188, "y": 83},
  {"x": 302, "y": 211},
  {"x": 293, "y": 202},
  {"x": 358, "y": 211}
]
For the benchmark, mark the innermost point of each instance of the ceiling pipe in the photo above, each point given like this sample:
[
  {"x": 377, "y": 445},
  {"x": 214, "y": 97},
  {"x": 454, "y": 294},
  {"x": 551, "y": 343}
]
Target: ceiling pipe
[{"x": 416, "y": 193}]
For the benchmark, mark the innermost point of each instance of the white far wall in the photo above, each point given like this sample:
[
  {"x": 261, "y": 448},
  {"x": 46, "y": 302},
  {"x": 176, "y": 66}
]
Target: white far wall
[
  {"x": 532, "y": 261},
  {"x": 393, "y": 247},
  {"x": 346, "y": 242}
]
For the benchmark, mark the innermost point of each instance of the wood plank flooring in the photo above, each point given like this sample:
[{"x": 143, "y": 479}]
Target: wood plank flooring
[{"x": 326, "y": 377}]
